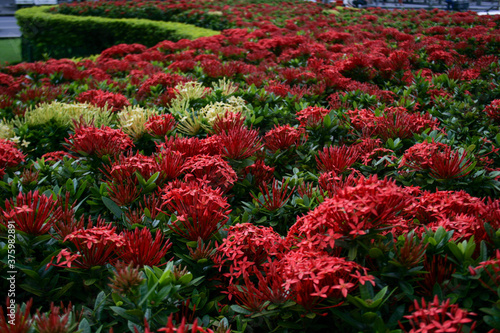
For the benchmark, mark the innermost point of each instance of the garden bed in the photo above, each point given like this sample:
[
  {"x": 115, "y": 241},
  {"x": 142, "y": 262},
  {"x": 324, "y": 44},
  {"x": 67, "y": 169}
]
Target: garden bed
[{"x": 309, "y": 168}]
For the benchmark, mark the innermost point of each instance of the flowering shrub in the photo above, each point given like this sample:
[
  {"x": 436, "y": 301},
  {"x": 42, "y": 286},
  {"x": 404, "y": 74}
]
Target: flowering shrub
[
  {"x": 283, "y": 137},
  {"x": 210, "y": 169},
  {"x": 31, "y": 213},
  {"x": 89, "y": 140},
  {"x": 140, "y": 249},
  {"x": 309, "y": 168},
  {"x": 160, "y": 125},
  {"x": 438, "y": 316},
  {"x": 199, "y": 210},
  {"x": 315, "y": 277},
  {"x": 493, "y": 110},
  {"x": 99, "y": 98},
  {"x": 10, "y": 156},
  {"x": 95, "y": 246}
]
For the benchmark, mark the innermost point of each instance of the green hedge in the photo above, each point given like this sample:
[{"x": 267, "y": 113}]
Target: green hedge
[{"x": 45, "y": 34}]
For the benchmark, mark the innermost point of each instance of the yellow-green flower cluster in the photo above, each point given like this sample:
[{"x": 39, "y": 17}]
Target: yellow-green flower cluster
[
  {"x": 192, "y": 121},
  {"x": 218, "y": 109},
  {"x": 132, "y": 120},
  {"x": 6, "y": 130},
  {"x": 63, "y": 114}
]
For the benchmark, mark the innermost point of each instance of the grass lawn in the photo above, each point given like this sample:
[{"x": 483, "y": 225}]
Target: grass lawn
[{"x": 10, "y": 50}]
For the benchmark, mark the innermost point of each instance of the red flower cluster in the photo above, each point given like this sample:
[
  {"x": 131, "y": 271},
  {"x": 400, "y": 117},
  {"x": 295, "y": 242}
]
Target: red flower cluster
[
  {"x": 57, "y": 320},
  {"x": 90, "y": 140},
  {"x": 32, "y": 213},
  {"x": 199, "y": 210},
  {"x": 22, "y": 320},
  {"x": 55, "y": 156},
  {"x": 260, "y": 172},
  {"x": 96, "y": 246},
  {"x": 187, "y": 146},
  {"x": 369, "y": 206},
  {"x": 227, "y": 122},
  {"x": 171, "y": 163},
  {"x": 239, "y": 143},
  {"x": 452, "y": 210},
  {"x": 246, "y": 246},
  {"x": 113, "y": 102},
  {"x": 330, "y": 182},
  {"x": 123, "y": 184},
  {"x": 283, "y": 137},
  {"x": 212, "y": 170},
  {"x": 312, "y": 116},
  {"x": 439, "y": 159},
  {"x": 438, "y": 316},
  {"x": 140, "y": 249},
  {"x": 161, "y": 80},
  {"x": 396, "y": 122},
  {"x": 263, "y": 270},
  {"x": 160, "y": 125},
  {"x": 314, "y": 276},
  {"x": 121, "y": 50},
  {"x": 182, "y": 327},
  {"x": 10, "y": 156},
  {"x": 126, "y": 165},
  {"x": 493, "y": 110},
  {"x": 277, "y": 198},
  {"x": 337, "y": 159}
]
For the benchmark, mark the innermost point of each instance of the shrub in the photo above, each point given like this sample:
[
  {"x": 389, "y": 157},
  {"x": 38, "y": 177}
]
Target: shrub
[{"x": 64, "y": 36}]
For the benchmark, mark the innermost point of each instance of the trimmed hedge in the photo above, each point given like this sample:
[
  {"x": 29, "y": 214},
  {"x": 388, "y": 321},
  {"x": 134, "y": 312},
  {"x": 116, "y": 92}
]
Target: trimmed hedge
[{"x": 64, "y": 36}]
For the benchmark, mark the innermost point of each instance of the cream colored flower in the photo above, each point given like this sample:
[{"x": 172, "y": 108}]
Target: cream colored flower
[
  {"x": 132, "y": 120},
  {"x": 227, "y": 87},
  {"x": 190, "y": 90},
  {"x": 6, "y": 130},
  {"x": 218, "y": 109},
  {"x": 15, "y": 139},
  {"x": 63, "y": 114}
]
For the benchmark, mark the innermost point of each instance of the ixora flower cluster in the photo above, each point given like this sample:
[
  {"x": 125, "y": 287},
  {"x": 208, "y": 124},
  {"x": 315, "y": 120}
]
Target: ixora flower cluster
[{"x": 307, "y": 169}]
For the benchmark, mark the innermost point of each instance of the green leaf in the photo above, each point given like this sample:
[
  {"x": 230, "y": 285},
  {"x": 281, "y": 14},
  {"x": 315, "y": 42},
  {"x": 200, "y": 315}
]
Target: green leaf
[
  {"x": 84, "y": 326},
  {"x": 311, "y": 315},
  {"x": 492, "y": 321},
  {"x": 32, "y": 290},
  {"x": 99, "y": 304},
  {"x": 456, "y": 251},
  {"x": 89, "y": 282},
  {"x": 153, "y": 178},
  {"x": 369, "y": 317},
  {"x": 406, "y": 287},
  {"x": 396, "y": 316},
  {"x": 123, "y": 313},
  {"x": 81, "y": 189},
  {"x": 380, "y": 295},
  {"x": 113, "y": 207},
  {"x": 307, "y": 202},
  {"x": 239, "y": 309},
  {"x": 63, "y": 290},
  {"x": 133, "y": 327},
  {"x": 116, "y": 298},
  {"x": 327, "y": 121},
  {"x": 366, "y": 291},
  {"x": 185, "y": 279},
  {"x": 353, "y": 252},
  {"x": 32, "y": 274}
]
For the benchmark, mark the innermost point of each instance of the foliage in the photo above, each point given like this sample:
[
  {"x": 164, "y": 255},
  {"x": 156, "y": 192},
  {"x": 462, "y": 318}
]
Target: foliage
[
  {"x": 45, "y": 34},
  {"x": 302, "y": 171}
]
